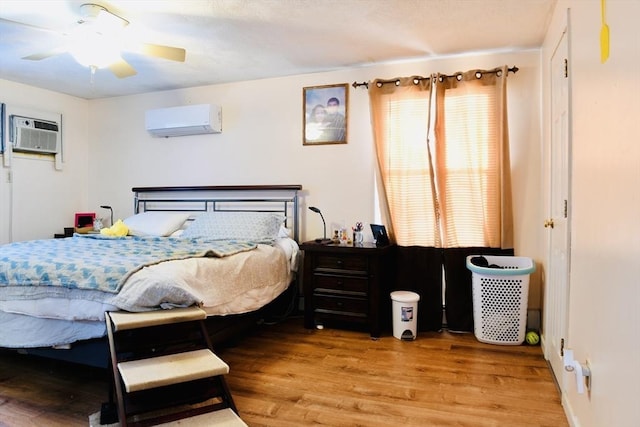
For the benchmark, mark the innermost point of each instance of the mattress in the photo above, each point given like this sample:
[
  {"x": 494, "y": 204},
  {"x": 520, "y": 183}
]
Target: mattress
[{"x": 235, "y": 284}]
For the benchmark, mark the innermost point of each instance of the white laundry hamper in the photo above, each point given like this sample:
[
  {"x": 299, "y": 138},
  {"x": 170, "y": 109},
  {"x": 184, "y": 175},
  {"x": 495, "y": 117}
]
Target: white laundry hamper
[{"x": 500, "y": 298}]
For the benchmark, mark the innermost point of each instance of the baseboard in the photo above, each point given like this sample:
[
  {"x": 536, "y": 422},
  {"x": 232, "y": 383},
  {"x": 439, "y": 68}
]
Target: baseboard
[{"x": 572, "y": 419}]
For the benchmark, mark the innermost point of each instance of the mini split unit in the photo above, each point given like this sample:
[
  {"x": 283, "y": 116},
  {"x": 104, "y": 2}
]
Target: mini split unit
[{"x": 185, "y": 120}]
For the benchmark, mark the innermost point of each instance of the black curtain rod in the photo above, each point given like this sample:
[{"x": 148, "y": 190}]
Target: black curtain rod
[{"x": 356, "y": 85}]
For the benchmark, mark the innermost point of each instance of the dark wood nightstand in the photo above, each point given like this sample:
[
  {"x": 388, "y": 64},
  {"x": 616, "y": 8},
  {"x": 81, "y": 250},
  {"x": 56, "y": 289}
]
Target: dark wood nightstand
[{"x": 347, "y": 284}]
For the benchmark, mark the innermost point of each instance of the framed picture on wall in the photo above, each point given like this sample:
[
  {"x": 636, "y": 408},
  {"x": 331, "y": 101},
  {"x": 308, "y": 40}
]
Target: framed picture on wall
[{"x": 324, "y": 118}]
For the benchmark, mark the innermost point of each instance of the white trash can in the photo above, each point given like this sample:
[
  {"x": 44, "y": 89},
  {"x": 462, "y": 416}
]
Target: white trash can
[{"x": 405, "y": 314}]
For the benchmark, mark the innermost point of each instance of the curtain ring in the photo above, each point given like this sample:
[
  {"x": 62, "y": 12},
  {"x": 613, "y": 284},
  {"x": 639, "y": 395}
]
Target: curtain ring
[
  {"x": 397, "y": 83},
  {"x": 379, "y": 84},
  {"x": 416, "y": 81},
  {"x": 459, "y": 77},
  {"x": 478, "y": 75},
  {"x": 499, "y": 73}
]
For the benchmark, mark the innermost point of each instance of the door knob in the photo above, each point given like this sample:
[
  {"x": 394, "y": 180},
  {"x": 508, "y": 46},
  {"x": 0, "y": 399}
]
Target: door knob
[{"x": 548, "y": 223}]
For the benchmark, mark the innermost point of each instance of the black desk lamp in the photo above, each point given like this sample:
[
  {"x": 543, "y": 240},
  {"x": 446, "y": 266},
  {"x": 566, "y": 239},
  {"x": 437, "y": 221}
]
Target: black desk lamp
[
  {"x": 322, "y": 241},
  {"x": 109, "y": 207}
]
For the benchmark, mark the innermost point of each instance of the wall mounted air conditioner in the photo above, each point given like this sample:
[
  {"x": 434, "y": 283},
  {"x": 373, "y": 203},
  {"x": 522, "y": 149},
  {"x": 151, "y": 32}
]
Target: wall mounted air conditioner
[
  {"x": 186, "y": 120},
  {"x": 34, "y": 135}
]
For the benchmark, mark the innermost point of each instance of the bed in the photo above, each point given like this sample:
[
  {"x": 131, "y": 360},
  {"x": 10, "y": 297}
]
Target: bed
[{"x": 231, "y": 250}]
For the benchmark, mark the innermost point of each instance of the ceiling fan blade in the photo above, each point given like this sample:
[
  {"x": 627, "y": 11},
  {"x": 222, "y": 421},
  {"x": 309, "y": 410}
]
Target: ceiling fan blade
[
  {"x": 35, "y": 27},
  {"x": 159, "y": 51},
  {"x": 44, "y": 55},
  {"x": 122, "y": 69}
]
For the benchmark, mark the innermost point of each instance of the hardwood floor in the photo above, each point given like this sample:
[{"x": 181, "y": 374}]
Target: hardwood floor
[{"x": 285, "y": 375}]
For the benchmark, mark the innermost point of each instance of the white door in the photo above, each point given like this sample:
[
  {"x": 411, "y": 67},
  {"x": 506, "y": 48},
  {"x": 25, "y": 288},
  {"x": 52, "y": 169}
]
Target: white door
[{"x": 556, "y": 308}]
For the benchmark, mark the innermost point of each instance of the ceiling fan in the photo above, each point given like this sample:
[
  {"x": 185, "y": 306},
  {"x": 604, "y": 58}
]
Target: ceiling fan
[{"x": 99, "y": 39}]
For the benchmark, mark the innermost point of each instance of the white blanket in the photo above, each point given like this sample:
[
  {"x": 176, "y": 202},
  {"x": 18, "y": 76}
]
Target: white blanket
[{"x": 208, "y": 282}]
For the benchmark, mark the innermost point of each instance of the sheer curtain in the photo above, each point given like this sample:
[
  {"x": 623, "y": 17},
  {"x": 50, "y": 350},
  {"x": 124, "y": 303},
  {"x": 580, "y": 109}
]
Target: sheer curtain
[{"x": 448, "y": 197}]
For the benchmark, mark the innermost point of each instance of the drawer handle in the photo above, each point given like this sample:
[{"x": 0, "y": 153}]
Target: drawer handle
[
  {"x": 339, "y": 304},
  {"x": 340, "y": 263}
]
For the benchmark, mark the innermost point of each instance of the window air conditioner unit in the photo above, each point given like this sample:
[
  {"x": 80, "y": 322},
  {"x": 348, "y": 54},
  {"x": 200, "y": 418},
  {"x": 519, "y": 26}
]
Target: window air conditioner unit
[
  {"x": 34, "y": 135},
  {"x": 182, "y": 121}
]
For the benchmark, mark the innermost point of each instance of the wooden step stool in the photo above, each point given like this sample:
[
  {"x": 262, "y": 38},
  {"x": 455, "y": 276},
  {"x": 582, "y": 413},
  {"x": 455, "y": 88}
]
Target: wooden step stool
[{"x": 165, "y": 371}]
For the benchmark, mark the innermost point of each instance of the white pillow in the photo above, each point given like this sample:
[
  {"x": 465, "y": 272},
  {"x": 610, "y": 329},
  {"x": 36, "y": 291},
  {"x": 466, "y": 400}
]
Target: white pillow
[
  {"x": 155, "y": 223},
  {"x": 284, "y": 232},
  {"x": 257, "y": 227}
]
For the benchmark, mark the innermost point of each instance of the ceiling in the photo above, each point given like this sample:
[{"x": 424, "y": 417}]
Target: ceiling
[{"x": 236, "y": 40}]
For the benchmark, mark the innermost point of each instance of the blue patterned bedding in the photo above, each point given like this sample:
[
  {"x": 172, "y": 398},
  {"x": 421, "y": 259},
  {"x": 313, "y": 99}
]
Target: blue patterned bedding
[{"x": 93, "y": 262}]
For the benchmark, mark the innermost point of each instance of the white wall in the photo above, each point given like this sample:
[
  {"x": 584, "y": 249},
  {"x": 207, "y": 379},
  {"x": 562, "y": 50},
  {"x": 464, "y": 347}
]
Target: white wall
[
  {"x": 40, "y": 201},
  {"x": 605, "y": 233}
]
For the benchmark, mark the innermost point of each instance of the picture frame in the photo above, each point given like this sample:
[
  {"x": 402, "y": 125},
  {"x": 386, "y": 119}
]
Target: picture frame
[{"x": 324, "y": 114}]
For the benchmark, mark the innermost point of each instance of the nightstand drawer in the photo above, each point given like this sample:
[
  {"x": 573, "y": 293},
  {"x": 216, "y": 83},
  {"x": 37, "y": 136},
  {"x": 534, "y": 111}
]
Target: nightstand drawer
[
  {"x": 326, "y": 303},
  {"x": 341, "y": 262},
  {"x": 340, "y": 284}
]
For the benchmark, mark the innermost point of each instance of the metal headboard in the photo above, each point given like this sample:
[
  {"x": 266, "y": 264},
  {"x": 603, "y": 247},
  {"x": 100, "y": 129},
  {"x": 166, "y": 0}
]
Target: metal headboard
[{"x": 228, "y": 198}]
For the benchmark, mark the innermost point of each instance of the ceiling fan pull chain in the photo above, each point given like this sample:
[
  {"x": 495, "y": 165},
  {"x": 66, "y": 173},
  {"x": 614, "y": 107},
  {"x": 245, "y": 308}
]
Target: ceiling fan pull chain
[{"x": 93, "y": 69}]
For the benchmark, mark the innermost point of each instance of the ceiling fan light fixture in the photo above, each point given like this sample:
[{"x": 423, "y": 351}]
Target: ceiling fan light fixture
[{"x": 95, "y": 50}]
